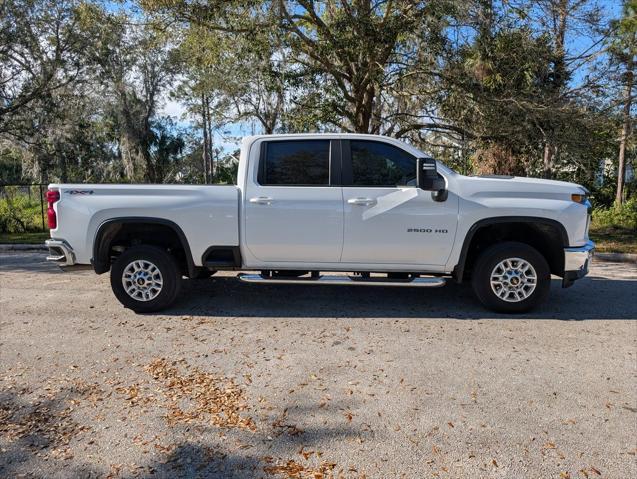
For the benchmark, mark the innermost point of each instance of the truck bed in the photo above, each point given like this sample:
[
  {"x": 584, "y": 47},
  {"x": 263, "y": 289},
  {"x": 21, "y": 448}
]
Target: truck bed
[{"x": 207, "y": 214}]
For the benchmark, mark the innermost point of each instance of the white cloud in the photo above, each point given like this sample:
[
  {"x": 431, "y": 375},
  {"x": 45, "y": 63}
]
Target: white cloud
[{"x": 174, "y": 109}]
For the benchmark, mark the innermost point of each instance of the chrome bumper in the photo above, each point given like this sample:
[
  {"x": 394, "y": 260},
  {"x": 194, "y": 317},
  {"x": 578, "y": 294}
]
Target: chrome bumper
[
  {"x": 60, "y": 252},
  {"x": 576, "y": 262}
]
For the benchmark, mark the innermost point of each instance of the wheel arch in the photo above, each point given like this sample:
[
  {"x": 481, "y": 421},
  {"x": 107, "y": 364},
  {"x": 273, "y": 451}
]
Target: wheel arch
[
  {"x": 108, "y": 231},
  {"x": 546, "y": 235}
]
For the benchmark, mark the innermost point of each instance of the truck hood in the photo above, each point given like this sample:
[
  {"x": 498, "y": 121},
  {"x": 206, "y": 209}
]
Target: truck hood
[{"x": 516, "y": 186}]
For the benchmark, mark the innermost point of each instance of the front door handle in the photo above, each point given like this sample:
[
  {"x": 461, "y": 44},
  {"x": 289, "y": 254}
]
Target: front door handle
[
  {"x": 362, "y": 201},
  {"x": 261, "y": 200}
]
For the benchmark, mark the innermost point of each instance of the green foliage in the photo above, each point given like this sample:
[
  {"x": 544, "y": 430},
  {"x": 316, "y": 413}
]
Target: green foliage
[
  {"x": 501, "y": 92},
  {"x": 620, "y": 216},
  {"x": 614, "y": 229},
  {"x": 39, "y": 54},
  {"x": 226, "y": 173},
  {"x": 19, "y": 212},
  {"x": 10, "y": 165},
  {"x": 623, "y": 40}
]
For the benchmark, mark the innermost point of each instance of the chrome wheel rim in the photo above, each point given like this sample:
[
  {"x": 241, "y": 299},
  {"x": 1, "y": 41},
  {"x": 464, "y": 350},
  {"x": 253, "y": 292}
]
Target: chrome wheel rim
[
  {"x": 142, "y": 280},
  {"x": 513, "y": 280}
]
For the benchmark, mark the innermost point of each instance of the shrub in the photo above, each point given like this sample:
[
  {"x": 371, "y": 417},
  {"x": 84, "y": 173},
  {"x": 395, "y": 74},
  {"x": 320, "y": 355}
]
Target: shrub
[
  {"x": 624, "y": 216},
  {"x": 19, "y": 213}
]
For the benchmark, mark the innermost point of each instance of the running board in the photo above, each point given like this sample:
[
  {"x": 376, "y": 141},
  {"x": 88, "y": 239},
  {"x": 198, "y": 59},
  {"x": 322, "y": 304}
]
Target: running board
[{"x": 428, "y": 282}]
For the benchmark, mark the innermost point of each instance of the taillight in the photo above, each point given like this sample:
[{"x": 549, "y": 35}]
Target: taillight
[{"x": 52, "y": 196}]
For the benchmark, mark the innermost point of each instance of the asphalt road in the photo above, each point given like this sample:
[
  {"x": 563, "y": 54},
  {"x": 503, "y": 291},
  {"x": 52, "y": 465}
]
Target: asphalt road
[{"x": 247, "y": 381}]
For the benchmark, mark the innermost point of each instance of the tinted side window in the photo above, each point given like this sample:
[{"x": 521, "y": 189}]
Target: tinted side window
[
  {"x": 296, "y": 162},
  {"x": 379, "y": 164}
]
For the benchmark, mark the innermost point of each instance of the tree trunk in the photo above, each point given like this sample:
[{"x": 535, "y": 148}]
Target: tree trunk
[
  {"x": 621, "y": 169},
  {"x": 363, "y": 108},
  {"x": 206, "y": 151},
  {"x": 132, "y": 157},
  {"x": 560, "y": 12},
  {"x": 548, "y": 161},
  {"x": 211, "y": 158}
]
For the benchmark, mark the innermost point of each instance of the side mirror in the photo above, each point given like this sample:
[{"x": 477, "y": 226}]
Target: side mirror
[{"x": 429, "y": 180}]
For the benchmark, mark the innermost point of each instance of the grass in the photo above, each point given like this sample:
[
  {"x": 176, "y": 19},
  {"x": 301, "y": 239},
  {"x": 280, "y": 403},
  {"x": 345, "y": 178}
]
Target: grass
[
  {"x": 614, "y": 239},
  {"x": 614, "y": 229},
  {"x": 24, "y": 238}
]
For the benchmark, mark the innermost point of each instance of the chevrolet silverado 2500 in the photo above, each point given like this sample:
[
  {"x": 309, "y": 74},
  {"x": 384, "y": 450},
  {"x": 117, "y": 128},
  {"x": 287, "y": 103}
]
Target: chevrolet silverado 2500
[{"x": 307, "y": 205}]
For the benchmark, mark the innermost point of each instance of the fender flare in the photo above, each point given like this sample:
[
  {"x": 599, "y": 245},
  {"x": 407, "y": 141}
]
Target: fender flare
[
  {"x": 100, "y": 262},
  {"x": 475, "y": 227}
]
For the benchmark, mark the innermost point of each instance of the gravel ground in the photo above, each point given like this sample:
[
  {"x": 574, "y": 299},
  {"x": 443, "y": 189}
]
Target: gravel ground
[{"x": 245, "y": 381}]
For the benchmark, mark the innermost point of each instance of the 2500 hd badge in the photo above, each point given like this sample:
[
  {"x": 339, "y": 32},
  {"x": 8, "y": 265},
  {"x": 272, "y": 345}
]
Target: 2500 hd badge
[{"x": 426, "y": 230}]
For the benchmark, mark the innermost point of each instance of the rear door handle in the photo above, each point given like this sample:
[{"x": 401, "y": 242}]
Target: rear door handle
[
  {"x": 261, "y": 200},
  {"x": 362, "y": 201}
]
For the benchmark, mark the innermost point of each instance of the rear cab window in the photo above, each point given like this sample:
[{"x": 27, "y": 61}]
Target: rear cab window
[{"x": 295, "y": 163}]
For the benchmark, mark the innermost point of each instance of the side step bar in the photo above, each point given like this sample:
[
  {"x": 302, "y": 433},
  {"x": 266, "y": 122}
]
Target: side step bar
[{"x": 428, "y": 282}]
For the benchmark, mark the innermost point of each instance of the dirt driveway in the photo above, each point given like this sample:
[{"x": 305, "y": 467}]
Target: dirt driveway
[{"x": 250, "y": 381}]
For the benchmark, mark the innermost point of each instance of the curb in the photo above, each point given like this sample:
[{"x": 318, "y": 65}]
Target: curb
[
  {"x": 22, "y": 247},
  {"x": 616, "y": 257}
]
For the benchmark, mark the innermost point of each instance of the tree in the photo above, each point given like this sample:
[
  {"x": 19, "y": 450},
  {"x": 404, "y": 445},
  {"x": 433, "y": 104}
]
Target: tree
[
  {"x": 229, "y": 80},
  {"x": 623, "y": 49},
  {"x": 357, "y": 52},
  {"x": 134, "y": 63},
  {"x": 166, "y": 148},
  {"x": 495, "y": 96},
  {"x": 517, "y": 96},
  {"x": 39, "y": 54},
  {"x": 47, "y": 111},
  {"x": 570, "y": 70}
]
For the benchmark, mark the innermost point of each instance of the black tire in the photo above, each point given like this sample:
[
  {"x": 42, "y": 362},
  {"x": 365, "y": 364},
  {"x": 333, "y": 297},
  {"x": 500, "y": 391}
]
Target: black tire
[
  {"x": 487, "y": 262},
  {"x": 170, "y": 275}
]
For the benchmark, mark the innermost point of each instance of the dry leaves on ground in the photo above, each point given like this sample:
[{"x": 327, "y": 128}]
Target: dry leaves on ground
[
  {"x": 211, "y": 398},
  {"x": 133, "y": 395},
  {"x": 293, "y": 470}
]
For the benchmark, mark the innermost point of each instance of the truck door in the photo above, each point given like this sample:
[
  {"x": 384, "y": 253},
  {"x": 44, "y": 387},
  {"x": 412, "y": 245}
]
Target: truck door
[
  {"x": 293, "y": 202},
  {"x": 388, "y": 219}
]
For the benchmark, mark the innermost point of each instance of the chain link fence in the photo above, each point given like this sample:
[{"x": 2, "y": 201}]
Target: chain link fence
[{"x": 23, "y": 208}]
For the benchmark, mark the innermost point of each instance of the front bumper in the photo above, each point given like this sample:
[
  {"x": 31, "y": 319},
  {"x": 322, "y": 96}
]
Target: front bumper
[
  {"x": 576, "y": 262},
  {"x": 60, "y": 252}
]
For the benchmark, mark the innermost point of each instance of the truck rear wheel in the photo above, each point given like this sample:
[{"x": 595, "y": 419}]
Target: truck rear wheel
[
  {"x": 511, "y": 277},
  {"x": 145, "y": 279}
]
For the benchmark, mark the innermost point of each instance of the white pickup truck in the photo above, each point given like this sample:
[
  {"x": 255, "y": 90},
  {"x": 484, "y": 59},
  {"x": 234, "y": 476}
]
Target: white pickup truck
[{"x": 306, "y": 205}]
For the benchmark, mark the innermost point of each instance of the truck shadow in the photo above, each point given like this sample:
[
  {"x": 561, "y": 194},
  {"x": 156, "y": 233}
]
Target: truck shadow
[
  {"x": 590, "y": 298},
  {"x": 595, "y": 297}
]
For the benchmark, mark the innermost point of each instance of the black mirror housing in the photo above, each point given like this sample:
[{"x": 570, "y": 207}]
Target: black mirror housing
[
  {"x": 429, "y": 180},
  {"x": 427, "y": 175}
]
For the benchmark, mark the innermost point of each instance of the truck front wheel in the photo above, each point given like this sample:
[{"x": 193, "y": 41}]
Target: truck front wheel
[
  {"x": 145, "y": 279},
  {"x": 511, "y": 277}
]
